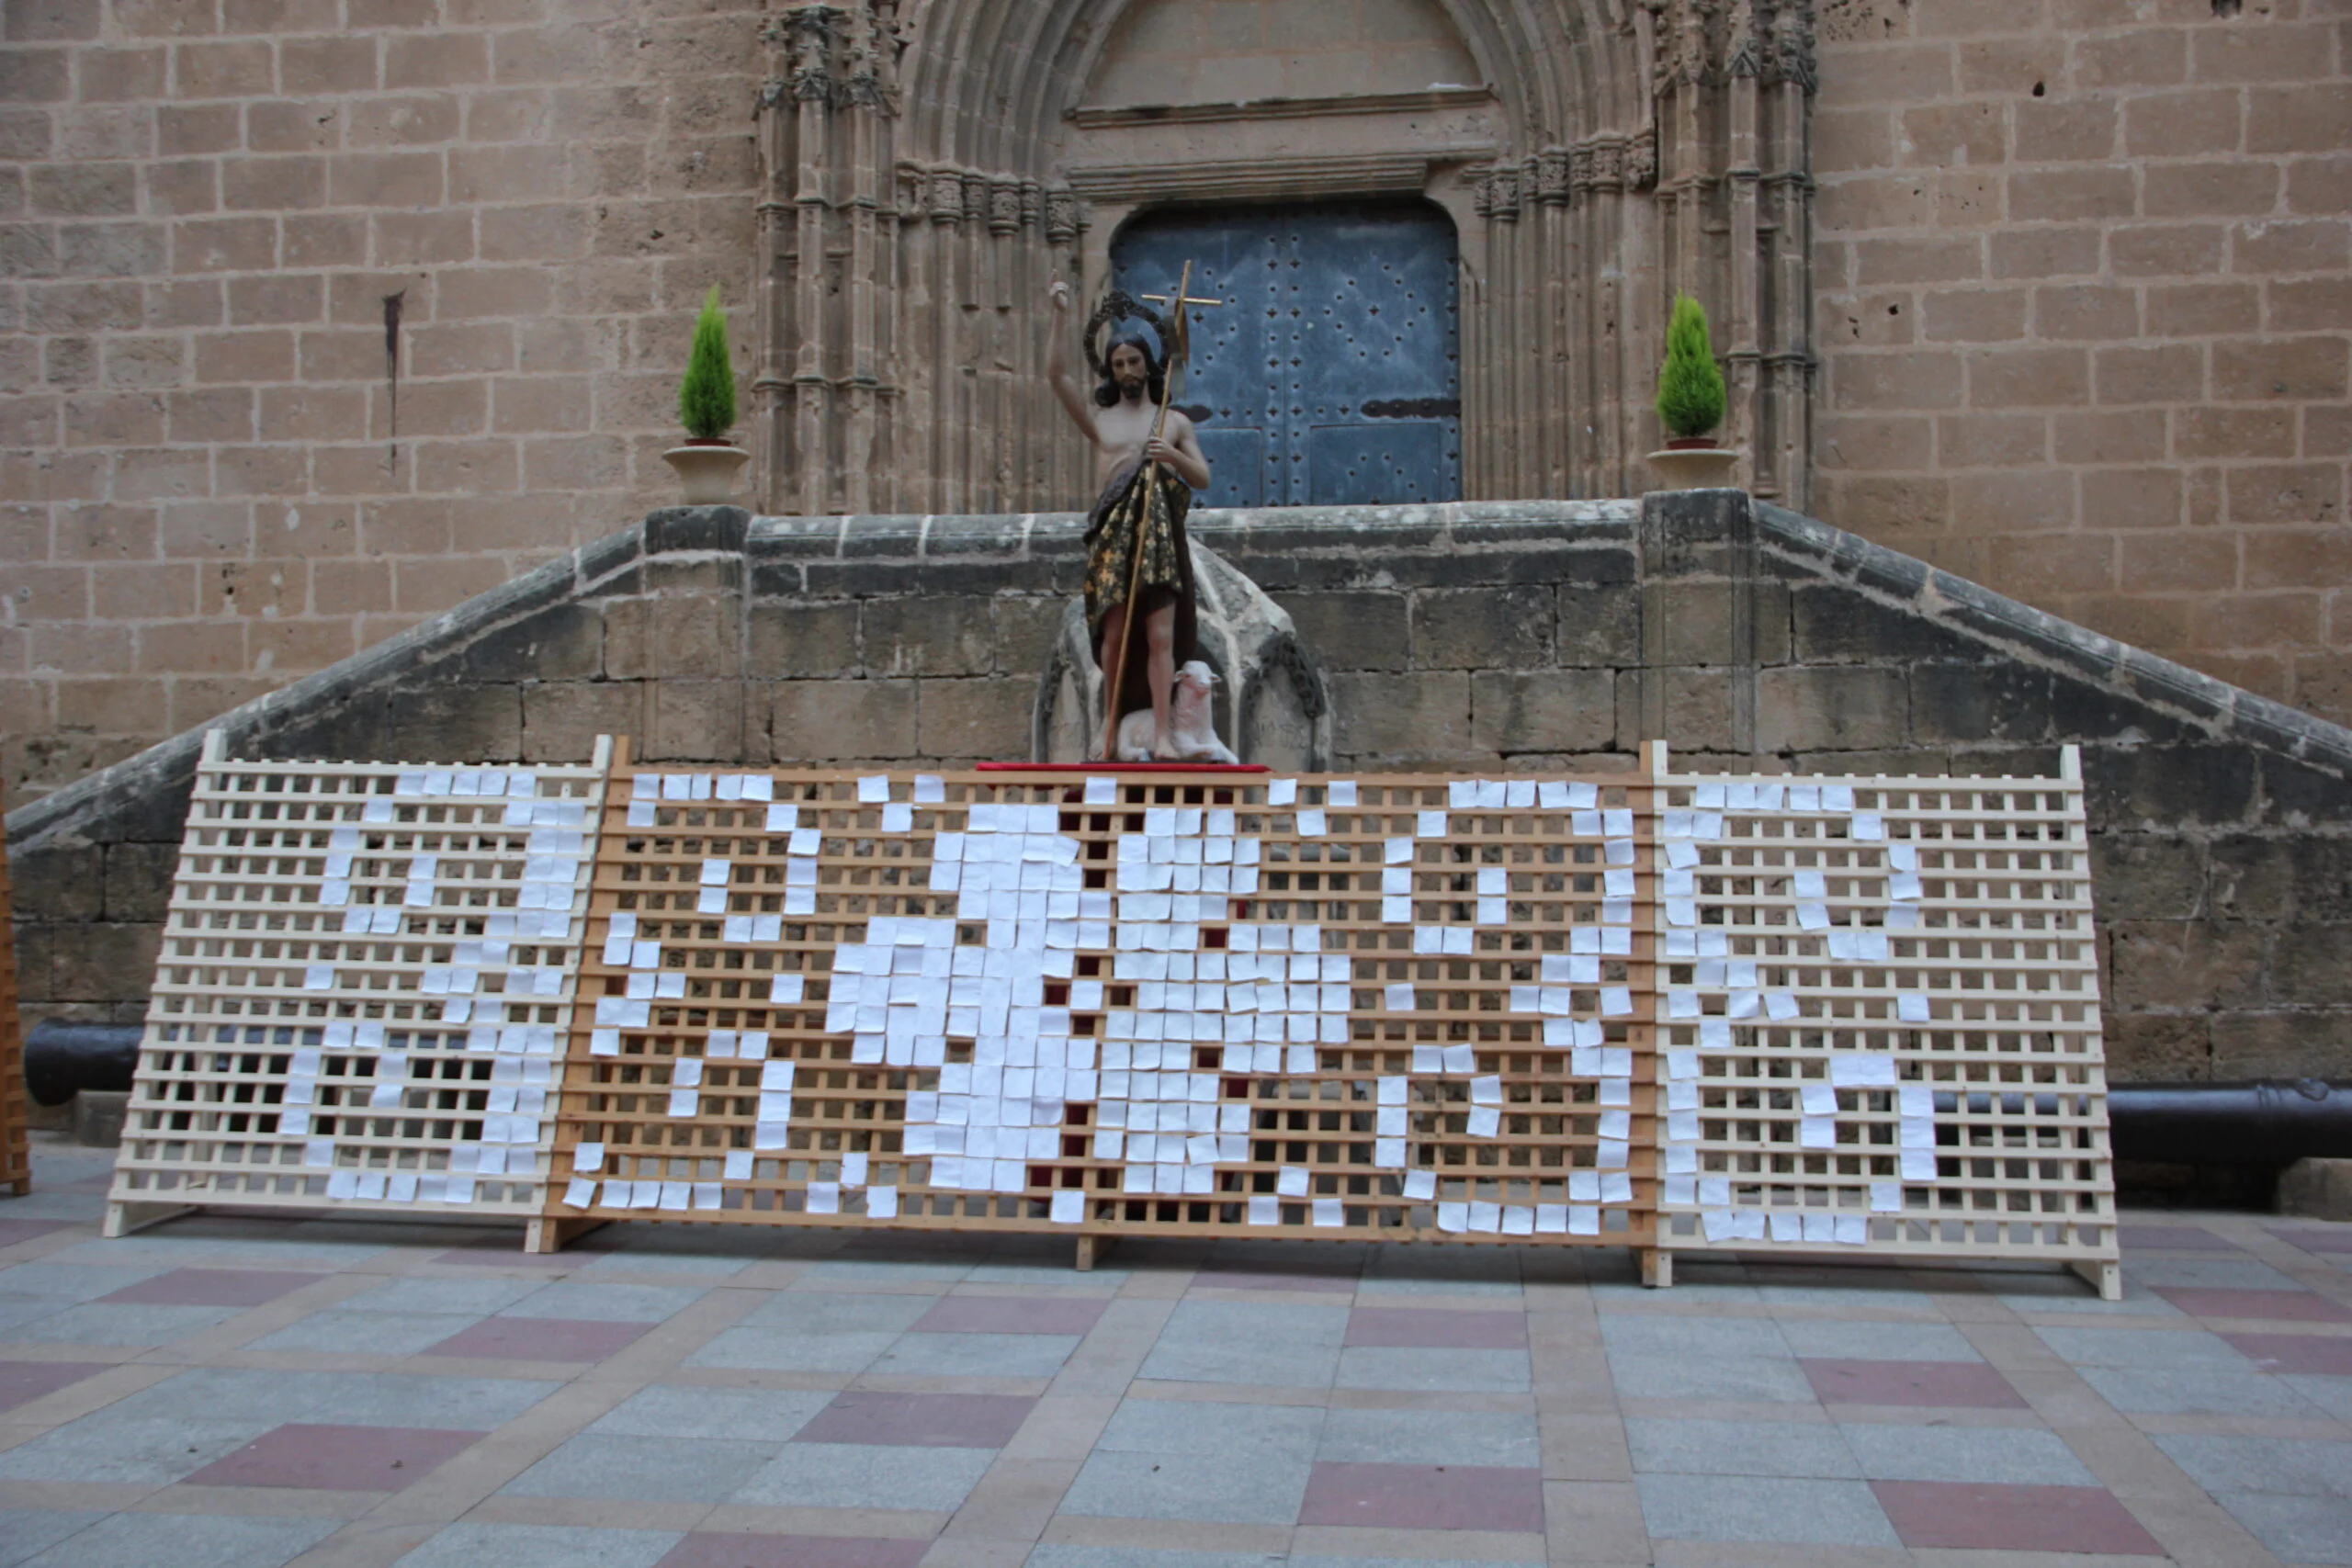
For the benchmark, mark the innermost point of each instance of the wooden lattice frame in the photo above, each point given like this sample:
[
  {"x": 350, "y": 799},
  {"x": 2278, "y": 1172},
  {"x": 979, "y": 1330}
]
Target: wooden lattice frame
[
  {"x": 1544, "y": 1173},
  {"x": 302, "y": 952},
  {"x": 15, "y": 1156},
  {"x": 1931, "y": 944}
]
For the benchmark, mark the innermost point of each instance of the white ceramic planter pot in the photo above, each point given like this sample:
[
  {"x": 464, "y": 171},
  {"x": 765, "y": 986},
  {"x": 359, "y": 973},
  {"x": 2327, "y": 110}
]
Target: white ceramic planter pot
[
  {"x": 1693, "y": 468},
  {"x": 707, "y": 474}
]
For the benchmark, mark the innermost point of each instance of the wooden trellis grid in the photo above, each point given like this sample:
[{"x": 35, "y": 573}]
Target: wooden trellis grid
[
  {"x": 1880, "y": 1018},
  {"x": 1475, "y": 1066},
  {"x": 364, "y": 990},
  {"x": 1676, "y": 1012}
]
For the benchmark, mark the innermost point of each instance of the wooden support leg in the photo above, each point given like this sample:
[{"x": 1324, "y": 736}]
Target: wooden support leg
[
  {"x": 22, "y": 1187},
  {"x": 2106, "y": 1277},
  {"x": 550, "y": 1235},
  {"x": 1090, "y": 1249},
  {"x": 1657, "y": 1267},
  {"x": 123, "y": 1218}
]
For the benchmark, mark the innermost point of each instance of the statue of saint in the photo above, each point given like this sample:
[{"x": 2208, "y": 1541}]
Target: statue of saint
[{"x": 1147, "y": 463}]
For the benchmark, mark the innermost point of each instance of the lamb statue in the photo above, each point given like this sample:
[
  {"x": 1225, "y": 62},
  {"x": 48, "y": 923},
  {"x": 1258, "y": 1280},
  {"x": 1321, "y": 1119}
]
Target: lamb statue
[{"x": 1192, "y": 729}]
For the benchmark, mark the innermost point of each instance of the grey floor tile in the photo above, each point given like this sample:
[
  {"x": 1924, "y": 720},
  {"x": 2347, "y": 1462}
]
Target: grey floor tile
[
  {"x": 406, "y": 1399},
  {"x": 943, "y": 1271},
  {"x": 2219, "y": 1273},
  {"x": 186, "y": 1540},
  {"x": 860, "y": 1475},
  {"x": 1430, "y": 1437},
  {"x": 128, "y": 1324},
  {"x": 838, "y": 1311},
  {"x": 1687, "y": 1335},
  {"x": 1776, "y": 1380},
  {"x": 1202, "y": 1427},
  {"x": 1249, "y": 1342},
  {"x": 2065, "y": 1293},
  {"x": 1434, "y": 1371},
  {"x": 2331, "y": 1395},
  {"x": 70, "y": 1283},
  {"x": 2016, "y": 1456},
  {"x": 604, "y": 1303},
  {"x": 2171, "y": 1348},
  {"x": 25, "y": 1533},
  {"x": 265, "y": 1244},
  {"x": 1878, "y": 1341},
  {"x": 1808, "y": 1450},
  {"x": 1258, "y": 1487},
  {"x": 235, "y": 1393},
  {"x": 652, "y": 1470},
  {"x": 541, "y": 1545},
  {"x": 365, "y": 1333},
  {"x": 767, "y": 1348},
  {"x": 1866, "y": 1291},
  {"x": 742, "y": 1415},
  {"x": 1006, "y": 1271},
  {"x": 1727, "y": 1508},
  {"x": 2198, "y": 1391},
  {"x": 2298, "y": 1529},
  {"x": 427, "y": 1294},
  {"x": 976, "y": 1355},
  {"x": 152, "y": 1453},
  {"x": 2297, "y": 1466},
  {"x": 1295, "y": 1560}
]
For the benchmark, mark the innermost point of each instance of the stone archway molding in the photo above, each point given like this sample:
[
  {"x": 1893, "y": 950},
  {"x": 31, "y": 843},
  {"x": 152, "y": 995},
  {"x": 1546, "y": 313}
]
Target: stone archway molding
[{"x": 928, "y": 171}]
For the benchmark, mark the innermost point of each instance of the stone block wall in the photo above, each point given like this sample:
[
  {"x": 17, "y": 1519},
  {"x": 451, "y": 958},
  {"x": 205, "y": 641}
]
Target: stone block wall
[
  {"x": 2084, "y": 285},
  {"x": 205, "y": 487},
  {"x": 1494, "y": 636}
]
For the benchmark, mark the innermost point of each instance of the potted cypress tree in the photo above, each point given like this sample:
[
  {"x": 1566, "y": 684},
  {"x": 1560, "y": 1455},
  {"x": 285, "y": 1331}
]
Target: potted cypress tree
[
  {"x": 707, "y": 464},
  {"x": 1691, "y": 403}
]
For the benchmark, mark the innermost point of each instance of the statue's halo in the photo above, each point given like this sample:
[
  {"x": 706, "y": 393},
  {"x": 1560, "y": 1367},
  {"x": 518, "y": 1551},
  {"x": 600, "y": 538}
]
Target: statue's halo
[{"x": 1119, "y": 306}]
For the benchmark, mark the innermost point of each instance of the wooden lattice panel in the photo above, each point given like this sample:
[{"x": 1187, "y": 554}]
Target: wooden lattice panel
[
  {"x": 365, "y": 985},
  {"x": 15, "y": 1157},
  {"x": 1225, "y": 1004},
  {"x": 1879, "y": 1018}
]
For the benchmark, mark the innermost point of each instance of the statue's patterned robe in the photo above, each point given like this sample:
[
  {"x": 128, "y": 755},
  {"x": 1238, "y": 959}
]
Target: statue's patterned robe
[{"x": 1142, "y": 507}]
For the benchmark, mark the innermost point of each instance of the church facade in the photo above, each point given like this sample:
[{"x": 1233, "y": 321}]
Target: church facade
[{"x": 321, "y": 315}]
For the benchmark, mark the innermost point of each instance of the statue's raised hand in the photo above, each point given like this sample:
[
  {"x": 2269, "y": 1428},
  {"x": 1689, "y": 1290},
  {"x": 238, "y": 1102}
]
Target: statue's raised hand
[{"x": 1059, "y": 292}]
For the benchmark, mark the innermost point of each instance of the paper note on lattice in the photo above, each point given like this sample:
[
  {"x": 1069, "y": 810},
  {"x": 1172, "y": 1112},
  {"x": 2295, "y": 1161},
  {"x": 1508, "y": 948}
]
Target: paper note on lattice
[
  {"x": 1879, "y": 1018},
  {"x": 365, "y": 986},
  {"x": 1206, "y": 1004}
]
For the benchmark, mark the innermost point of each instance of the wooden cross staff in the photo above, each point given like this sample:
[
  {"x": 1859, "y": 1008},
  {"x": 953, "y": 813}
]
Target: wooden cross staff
[{"x": 1179, "y": 352}]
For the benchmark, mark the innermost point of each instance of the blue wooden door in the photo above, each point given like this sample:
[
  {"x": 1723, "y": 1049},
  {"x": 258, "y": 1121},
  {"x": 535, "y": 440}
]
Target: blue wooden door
[{"x": 1333, "y": 378}]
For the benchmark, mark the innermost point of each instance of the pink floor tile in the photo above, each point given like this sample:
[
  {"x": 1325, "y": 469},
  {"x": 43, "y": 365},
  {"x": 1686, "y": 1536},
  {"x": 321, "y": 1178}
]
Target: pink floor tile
[
  {"x": 1974, "y": 1516},
  {"x": 2298, "y": 1306},
  {"x": 1437, "y": 1329},
  {"x": 14, "y": 1230},
  {"x": 919, "y": 1420},
  {"x": 2328, "y": 1355},
  {"x": 712, "y": 1548},
  {"x": 540, "y": 1340},
  {"x": 1252, "y": 1279},
  {"x": 1954, "y": 1385},
  {"x": 2172, "y": 1238},
  {"x": 1011, "y": 1314},
  {"x": 21, "y": 1383},
  {"x": 1425, "y": 1498},
  {"x": 337, "y": 1459},
  {"x": 214, "y": 1287}
]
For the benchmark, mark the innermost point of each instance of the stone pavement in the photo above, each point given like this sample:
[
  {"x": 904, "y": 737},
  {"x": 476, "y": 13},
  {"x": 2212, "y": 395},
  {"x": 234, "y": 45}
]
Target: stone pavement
[{"x": 234, "y": 1393}]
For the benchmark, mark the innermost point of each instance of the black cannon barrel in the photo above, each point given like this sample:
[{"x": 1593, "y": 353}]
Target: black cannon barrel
[
  {"x": 62, "y": 1058},
  {"x": 2251, "y": 1124}
]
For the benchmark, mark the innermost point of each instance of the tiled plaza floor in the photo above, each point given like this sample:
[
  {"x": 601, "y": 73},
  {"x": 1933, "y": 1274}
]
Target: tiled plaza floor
[{"x": 235, "y": 1393}]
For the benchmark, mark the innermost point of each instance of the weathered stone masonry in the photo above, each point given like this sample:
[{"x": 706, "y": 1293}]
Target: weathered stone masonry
[{"x": 1497, "y": 635}]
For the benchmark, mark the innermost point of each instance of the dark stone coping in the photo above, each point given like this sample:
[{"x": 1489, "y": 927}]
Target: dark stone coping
[{"x": 613, "y": 565}]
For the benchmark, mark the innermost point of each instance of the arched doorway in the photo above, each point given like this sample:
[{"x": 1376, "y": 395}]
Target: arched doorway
[{"x": 1333, "y": 377}]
